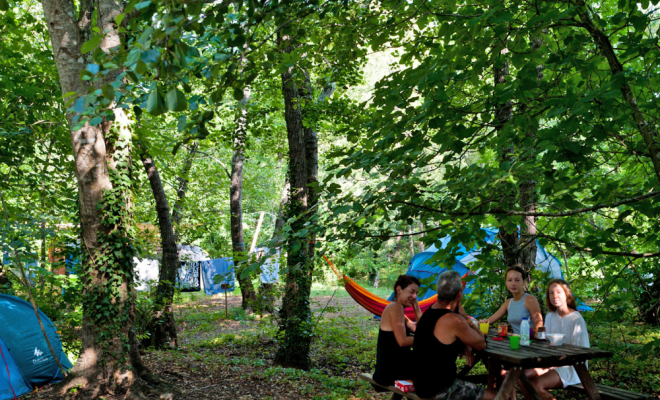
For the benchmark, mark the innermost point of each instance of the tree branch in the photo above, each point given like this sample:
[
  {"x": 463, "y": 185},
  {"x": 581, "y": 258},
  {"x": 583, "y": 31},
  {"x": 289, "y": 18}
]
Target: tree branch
[
  {"x": 611, "y": 253},
  {"x": 499, "y": 211}
]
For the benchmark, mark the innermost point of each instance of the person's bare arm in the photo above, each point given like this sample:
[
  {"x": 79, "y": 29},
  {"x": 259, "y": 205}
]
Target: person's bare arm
[
  {"x": 498, "y": 314},
  {"x": 418, "y": 314},
  {"x": 411, "y": 325},
  {"x": 534, "y": 308},
  {"x": 398, "y": 322},
  {"x": 469, "y": 334},
  {"x": 418, "y": 311}
]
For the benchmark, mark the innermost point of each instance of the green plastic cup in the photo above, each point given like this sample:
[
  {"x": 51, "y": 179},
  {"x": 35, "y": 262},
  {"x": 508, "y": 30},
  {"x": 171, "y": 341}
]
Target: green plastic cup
[{"x": 514, "y": 341}]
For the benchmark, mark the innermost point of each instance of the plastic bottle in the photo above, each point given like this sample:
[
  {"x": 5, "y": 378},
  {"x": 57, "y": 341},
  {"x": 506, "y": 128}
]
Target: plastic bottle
[{"x": 524, "y": 332}]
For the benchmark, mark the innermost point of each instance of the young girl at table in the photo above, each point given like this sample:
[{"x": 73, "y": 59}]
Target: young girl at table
[
  {"x": 393, "y": 351},
  {"x": 562, "y": 318},
  {"x": 521, "y": 305}
]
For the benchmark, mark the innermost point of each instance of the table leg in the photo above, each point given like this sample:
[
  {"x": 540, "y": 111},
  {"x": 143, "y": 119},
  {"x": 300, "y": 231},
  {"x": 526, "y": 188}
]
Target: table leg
[
  {"x": 588, "y": 383},
  {"x": 509, "y": 383},
  {"x": 493, "y": 373},
  {"x": 467, "y": 368},
  {"x": 530, "y": 388}
]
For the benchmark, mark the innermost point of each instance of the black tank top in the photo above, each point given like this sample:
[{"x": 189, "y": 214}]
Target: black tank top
[
  {"x": 434, "y": 362},
  {"x": 393, "y": 362}
]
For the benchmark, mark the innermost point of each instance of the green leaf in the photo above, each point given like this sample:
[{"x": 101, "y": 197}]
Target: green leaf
[
  {"x": 341, "y": 210},
  {"x": 95, "y": 121},
  {"x": 142, "y": 5},
  {"x": 238, "y": 94},
  {"x": 155, "y": 103},
  {"x": 108, "y": 92},
  {"x": 69, "y": 94},
  {"x": 181, "y": 123},
  {"x": 91, "y": 44},
  {"x": 119, "y": 18},
  {"x": 176, "y": 100},
  {"x": 4, "y": 6}
]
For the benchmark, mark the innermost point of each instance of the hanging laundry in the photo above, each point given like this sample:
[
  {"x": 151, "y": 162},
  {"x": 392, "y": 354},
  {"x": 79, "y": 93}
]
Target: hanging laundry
[
  {"x": 270, "y": 270},
  {"x": 215, "y": 273},
  {"x": 187, "y": 277},
  {"x": 146, "y": 271}
]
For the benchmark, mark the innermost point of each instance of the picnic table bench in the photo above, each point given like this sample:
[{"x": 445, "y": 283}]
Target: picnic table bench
[{"x": 540, "y": 354}]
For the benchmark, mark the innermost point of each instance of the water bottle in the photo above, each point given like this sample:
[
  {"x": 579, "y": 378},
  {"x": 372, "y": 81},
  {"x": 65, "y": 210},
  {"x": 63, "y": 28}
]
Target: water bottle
[{"x": 524, "y": 332}]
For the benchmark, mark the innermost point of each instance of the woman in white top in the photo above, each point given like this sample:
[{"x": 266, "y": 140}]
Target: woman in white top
[{"x": 562, "y": 318}]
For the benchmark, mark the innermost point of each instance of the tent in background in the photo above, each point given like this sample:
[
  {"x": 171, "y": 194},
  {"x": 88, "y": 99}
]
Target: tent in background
[
  {"x": 420, "y": 269},
  {"x": 26, "y": 361}
]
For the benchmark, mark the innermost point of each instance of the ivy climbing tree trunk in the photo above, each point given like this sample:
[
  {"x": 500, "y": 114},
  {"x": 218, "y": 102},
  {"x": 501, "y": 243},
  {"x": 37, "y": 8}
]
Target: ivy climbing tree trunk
[
  {"x": 249, "y": 296},
  {"x": 109, "y": 361},
  {"x": 162, "y": 328},
  {"x": 295, "y": 313}
]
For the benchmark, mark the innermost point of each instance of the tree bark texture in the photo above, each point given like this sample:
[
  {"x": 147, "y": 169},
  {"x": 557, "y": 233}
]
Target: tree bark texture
[
  {"x": 249, "y": 296},
  {"x": 106, "y": 363},
  {"x": 177, "y": 210},
  {"x": 162, "y": 328},
  {"x": 295, "y": 313}
]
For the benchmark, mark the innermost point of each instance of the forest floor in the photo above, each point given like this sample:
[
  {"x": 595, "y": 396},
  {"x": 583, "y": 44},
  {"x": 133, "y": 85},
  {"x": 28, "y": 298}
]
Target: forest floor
[{"x": 232, "y": 357}]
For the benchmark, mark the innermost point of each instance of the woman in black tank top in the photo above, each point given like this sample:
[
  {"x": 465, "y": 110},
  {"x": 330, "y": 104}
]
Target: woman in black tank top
[{"x": 393, "y": 352}]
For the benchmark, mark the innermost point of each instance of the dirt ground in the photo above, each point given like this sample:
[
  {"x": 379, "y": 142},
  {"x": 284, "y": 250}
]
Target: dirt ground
[{"x": 227, "y": 371}]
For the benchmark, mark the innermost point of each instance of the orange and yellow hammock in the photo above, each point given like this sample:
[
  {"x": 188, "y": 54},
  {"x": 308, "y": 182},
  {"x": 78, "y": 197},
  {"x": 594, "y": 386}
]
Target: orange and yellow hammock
[{"x": 373, "y": 303}]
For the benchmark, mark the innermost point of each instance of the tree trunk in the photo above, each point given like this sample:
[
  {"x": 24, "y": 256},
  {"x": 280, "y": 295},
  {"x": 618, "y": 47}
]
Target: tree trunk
[
  {"x": 43, "y": 209},
  {"x": 162, "y": 328},
  {"x": 420, "y": 225},
  {"x": 507, "y": 231},
  {"x": 108, "y": 360},
  {"x": 236, "y": 205},
  {"x": 296, "y": 314},
  {"x": 411, "y": 241},
  {"x": 5, "y": 283},
  {"x": 528, "y": 227},
  {"x": 527, "y": 196},
  {"x": 177, "y": 210}
]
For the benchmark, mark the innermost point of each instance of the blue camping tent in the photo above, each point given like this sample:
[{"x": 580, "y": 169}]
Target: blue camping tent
[
  {"x": 420, "y": 269},
  {"x": 25, "y": 360}
]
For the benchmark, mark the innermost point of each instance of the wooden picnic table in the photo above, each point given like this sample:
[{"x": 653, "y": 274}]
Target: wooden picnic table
[{"x": 539, "y": 354}]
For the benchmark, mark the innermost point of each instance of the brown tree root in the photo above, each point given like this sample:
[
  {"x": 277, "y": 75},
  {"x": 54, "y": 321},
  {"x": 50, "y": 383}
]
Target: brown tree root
[{"x": 149, "y": 386}]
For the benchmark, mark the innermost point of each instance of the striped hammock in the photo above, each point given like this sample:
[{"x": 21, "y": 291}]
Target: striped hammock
[{"x": 373, "y": 303}]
